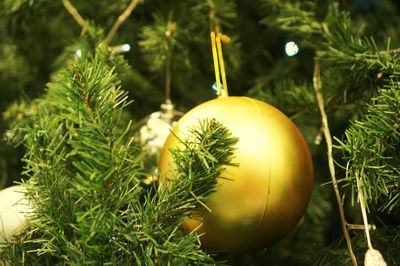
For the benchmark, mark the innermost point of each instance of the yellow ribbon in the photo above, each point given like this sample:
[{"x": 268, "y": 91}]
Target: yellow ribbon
[{"x": 219, "y": 63}]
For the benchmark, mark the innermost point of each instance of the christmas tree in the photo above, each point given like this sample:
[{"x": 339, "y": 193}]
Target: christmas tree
[{"x": 82, "y": 85}]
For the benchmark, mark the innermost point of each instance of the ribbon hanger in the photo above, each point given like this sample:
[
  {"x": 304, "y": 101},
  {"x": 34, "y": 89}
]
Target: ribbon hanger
[{"x": 219, "y": 66}]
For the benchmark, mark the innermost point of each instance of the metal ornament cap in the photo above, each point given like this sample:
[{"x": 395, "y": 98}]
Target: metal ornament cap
[{"x": 261, "y": 200}]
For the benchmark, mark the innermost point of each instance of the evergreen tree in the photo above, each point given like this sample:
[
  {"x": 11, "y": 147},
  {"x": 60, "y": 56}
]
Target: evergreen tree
[{"x": 70, "y": 141}]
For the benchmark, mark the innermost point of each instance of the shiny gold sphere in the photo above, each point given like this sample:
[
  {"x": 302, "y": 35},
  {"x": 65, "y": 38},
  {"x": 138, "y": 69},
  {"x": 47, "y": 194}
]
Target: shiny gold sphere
[{"x": 263, "y": 198}]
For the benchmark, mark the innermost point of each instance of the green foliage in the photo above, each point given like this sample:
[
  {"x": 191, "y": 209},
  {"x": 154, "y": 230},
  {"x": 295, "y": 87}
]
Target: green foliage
[
  {"x": 77, "y": 152},
  {"x": 83, "y": 180},
  {"x": 10, "y": 6},
  {"x": 296, "y": 16},
  {"x": 211, "y": 147},
  {"x": 219, "y": 12},
  {"x": 75, "y": 158},
  {"x": 371, "y": 148},
  {"x": 333, "y": 38},
  {"x": 159, "y": 40},
  {"x": 10, "y": 67},
  {"x": 360, "y": 84},
  {"x": 336, "y": 254},
  {"x": 287, "y": 95}
]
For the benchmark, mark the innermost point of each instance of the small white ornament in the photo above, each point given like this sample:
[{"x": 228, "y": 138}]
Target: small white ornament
[
  {"x": 374, "y": 258},
  {"x": 14, "y": 211},
  {"x": 151, "y": 133},
  {"x": 155, "y": 128}
]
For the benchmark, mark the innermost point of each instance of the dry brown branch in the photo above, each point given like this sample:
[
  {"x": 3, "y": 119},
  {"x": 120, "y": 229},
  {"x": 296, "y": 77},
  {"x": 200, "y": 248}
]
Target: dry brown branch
[
  {"x": 328, "y": 140},
  {"x": 82, "y": 22},
  {"x": 120, "y": 20},
  {"x": 372, "y": 257},
  {"x": 363, "y": 210},
  {"x": 359, "y": 226},
  {"x": 74, "y": 13},
  {"x": 396, "y": 50}
]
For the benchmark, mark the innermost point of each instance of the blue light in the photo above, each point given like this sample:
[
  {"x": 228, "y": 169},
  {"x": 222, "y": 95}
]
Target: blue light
[{"x": 215, "y": 88}]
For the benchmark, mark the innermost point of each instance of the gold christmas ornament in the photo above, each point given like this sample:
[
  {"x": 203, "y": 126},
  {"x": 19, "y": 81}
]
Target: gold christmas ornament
[
  {"x": 14, "y": 210},
  {"x": 261, "y": 200}
]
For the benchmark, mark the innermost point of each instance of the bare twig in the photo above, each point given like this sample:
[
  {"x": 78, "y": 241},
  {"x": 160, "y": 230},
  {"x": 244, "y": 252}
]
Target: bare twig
[
  {"x": 395, "y": 50},
  {"x": 363, "y": 210},
  {"x": 168, "y": 67},
  {"x": 120, "y": 20},
  {"x": 318, "y": 137},
  {"x": 359, "y": 226},
  {"x": 372, "y": 257},
  {"x": 328, "y": 139},
  {"x": 82, "y": 22},
  {"x": 74, "y": 13}
]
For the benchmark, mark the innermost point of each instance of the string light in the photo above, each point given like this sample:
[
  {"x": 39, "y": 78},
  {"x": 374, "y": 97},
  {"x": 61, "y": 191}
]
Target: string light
[
  {"x": 126, "y": 47},
  {"x": 78, "y": 53},
  {"x": 123, "y": 48},
  {"x": 291, "y": 48}
]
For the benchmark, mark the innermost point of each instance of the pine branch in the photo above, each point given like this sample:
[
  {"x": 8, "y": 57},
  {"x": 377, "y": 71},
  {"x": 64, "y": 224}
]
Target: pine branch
[
  {"x": 77, "y": 158},
  {"x": 385, "y": 239},
  {"x": 371, "y": 146},
  {"x": 298, "y": 17},
  {"x": 206, "y": 151},
  {"x": 208, "y": 15},
  {"x": 83, "y": 180},
  {"x": 337, "y": 42},
  {"x": 159, "y": 41},
  {"x": 294, "y": 98},
  {"x": 9, "y": 6}
]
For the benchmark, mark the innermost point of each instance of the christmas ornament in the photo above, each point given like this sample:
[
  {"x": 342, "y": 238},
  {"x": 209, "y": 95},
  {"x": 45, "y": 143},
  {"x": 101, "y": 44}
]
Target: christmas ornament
[
  {"x": 374, "y": 258},
  {"x": 152, "y": 132},
  {"x": 155, "y": 128},
  {"x": 14, "y": 210},
  {"x": 262, "y": 199}
]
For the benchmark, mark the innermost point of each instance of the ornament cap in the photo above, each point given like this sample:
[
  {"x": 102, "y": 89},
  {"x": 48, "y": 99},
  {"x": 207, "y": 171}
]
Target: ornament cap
[{"x": 167, "y": 105}]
